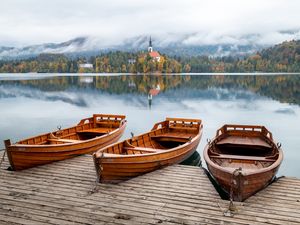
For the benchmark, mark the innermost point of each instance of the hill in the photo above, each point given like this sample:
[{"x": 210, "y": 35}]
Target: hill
[
  {"x": 284, "y": 57},
  {"x": 89, "y": 46}
]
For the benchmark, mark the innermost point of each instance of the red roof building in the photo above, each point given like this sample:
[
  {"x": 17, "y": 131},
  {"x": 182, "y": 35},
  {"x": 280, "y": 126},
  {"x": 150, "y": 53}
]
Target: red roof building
[{"x": 154, "y": 54}]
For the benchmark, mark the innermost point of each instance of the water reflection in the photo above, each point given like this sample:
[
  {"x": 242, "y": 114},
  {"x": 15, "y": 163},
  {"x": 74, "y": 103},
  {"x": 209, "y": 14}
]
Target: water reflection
[
  {"x": 284, "y": 88},
  {"x": 193, "y": 160},
  {"x": 86, "y": 80},
  {"x": 152, "y": 93},
  {"x": 36, "y": 104}
]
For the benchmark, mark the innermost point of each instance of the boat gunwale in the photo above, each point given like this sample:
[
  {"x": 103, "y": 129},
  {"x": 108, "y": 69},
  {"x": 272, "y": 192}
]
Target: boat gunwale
[{"x": 142, "y": 162}]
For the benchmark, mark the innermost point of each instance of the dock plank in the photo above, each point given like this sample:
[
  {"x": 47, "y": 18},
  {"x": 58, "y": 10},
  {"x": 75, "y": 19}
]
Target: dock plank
[{"x": 65, "y": 192}]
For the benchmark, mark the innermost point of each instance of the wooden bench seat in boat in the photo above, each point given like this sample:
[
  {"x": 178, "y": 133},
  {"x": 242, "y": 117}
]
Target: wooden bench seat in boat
[
  {"x": 183, "y": 128},
  {"x": 139, "y": 149},
  {"x": 64, "y": 140},
  {"x": 169, "y": 137},
  {"x": 100, "y": 130},
  {"x": 243, "y": 157},
  {"x": 110, "y": 155},
  {"x": 142, "y": 149},
  {"x": 246, "y": 141}
]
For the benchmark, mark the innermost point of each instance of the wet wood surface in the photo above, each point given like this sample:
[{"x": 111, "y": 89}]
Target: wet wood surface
[{"x": 65, "y": 192}]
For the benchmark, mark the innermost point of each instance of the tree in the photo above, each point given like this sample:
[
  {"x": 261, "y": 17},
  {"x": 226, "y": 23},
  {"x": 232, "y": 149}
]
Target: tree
[{"x": 187, "y": 68}]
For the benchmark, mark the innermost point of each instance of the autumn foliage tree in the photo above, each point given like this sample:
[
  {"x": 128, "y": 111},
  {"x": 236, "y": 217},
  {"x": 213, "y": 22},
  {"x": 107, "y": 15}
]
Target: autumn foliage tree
[{"x": 284, "y": 57}]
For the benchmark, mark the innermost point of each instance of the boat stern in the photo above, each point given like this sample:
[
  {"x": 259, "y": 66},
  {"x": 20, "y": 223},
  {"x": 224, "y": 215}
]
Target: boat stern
[
  {"x": 97, "y": 165},
  {"x": 7, "y": 144}
]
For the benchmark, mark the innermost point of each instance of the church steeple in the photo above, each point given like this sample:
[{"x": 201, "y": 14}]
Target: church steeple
[{"x": 150, "y": 49}]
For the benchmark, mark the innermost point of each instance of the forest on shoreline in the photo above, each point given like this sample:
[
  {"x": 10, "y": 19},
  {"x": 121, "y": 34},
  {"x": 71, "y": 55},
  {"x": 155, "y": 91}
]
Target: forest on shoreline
[{"x": 284, "y": 57}]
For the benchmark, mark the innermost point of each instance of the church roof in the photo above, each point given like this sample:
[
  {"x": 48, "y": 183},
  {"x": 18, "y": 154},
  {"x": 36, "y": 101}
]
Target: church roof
[{"x": 154, "y": 54}]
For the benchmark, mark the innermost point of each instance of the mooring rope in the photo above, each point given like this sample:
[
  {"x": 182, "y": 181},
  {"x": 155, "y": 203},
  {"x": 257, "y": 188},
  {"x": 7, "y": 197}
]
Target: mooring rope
[
  {"x": 3, "y": 157},
  {"x": 94, "y": 188},
  {"x": 218, "y": 204},
  {"x": 98, "y": 171},
  {"x": 231, "y": 207}
]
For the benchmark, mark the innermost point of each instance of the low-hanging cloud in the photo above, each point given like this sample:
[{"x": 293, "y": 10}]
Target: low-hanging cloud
[{"x": 112, "y": 21}]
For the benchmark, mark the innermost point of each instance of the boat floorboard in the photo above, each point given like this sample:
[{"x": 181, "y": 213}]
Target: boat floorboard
[{"x": 65, "y": 192}]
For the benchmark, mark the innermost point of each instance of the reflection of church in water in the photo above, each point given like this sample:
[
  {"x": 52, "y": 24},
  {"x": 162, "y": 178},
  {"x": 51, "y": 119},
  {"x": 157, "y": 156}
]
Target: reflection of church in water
[
  {"x": 156, "y": 58},
  {"x": 153, "y": 92}
]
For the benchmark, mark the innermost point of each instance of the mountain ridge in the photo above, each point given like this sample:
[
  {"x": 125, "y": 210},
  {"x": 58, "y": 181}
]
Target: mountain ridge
[{"x": 88, "y": 46}]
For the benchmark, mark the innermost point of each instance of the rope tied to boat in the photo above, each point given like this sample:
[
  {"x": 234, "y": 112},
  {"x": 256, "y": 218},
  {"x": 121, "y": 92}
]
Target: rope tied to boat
[
  {"x": 94, "y": 189},
  {"x": 98, "y": 179},
  {"x": 231, "y": 207},
  {"x": 3, "y": 157}
]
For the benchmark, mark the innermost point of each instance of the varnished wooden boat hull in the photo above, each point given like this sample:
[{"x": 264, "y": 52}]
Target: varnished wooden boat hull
[
  {"x": 113, "y": 169},
  {"x": 245, "y": 185},
  {"x": 23, "y": 156},
  {"x": 241, "y": 183},
  {"x": 118, "y": 170}
]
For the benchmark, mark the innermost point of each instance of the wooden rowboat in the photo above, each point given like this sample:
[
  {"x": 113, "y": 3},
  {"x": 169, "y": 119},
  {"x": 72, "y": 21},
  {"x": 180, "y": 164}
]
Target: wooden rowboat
[
  {"x": 169, "y": 142},
  {"x": 243, "y": 159},
  {"x": 87, "y": 136}
]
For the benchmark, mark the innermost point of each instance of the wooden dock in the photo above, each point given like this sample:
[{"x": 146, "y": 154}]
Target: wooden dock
[{"x": 65, "y": 193}]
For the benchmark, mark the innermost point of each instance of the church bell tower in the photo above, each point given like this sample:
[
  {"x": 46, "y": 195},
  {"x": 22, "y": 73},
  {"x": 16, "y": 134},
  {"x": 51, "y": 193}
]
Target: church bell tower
[{"x": 150, "y": 49}]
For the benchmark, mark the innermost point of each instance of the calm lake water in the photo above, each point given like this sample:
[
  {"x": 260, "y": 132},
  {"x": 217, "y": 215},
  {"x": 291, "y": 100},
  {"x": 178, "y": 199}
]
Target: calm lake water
[{"x": 31, "y": 104}]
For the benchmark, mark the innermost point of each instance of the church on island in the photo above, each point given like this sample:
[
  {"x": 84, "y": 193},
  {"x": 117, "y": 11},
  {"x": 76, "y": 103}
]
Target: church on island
[{"x": 153, "y": 54}]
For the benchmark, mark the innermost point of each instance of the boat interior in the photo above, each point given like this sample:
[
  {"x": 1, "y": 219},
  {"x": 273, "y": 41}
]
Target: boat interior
[
  {"x": 86, "y": 129},
  {"x": 249, "y": 147},
  {"x": 164, "y": 136}
]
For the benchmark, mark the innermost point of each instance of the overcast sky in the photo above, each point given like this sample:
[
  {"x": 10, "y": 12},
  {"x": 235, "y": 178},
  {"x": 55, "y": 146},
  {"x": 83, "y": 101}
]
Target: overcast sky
[{"x": 25, "y": 22}]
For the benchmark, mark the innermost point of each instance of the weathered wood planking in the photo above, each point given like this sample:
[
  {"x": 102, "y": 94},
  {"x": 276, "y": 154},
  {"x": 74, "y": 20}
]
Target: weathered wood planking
[{"x": 63, "y": 193}]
